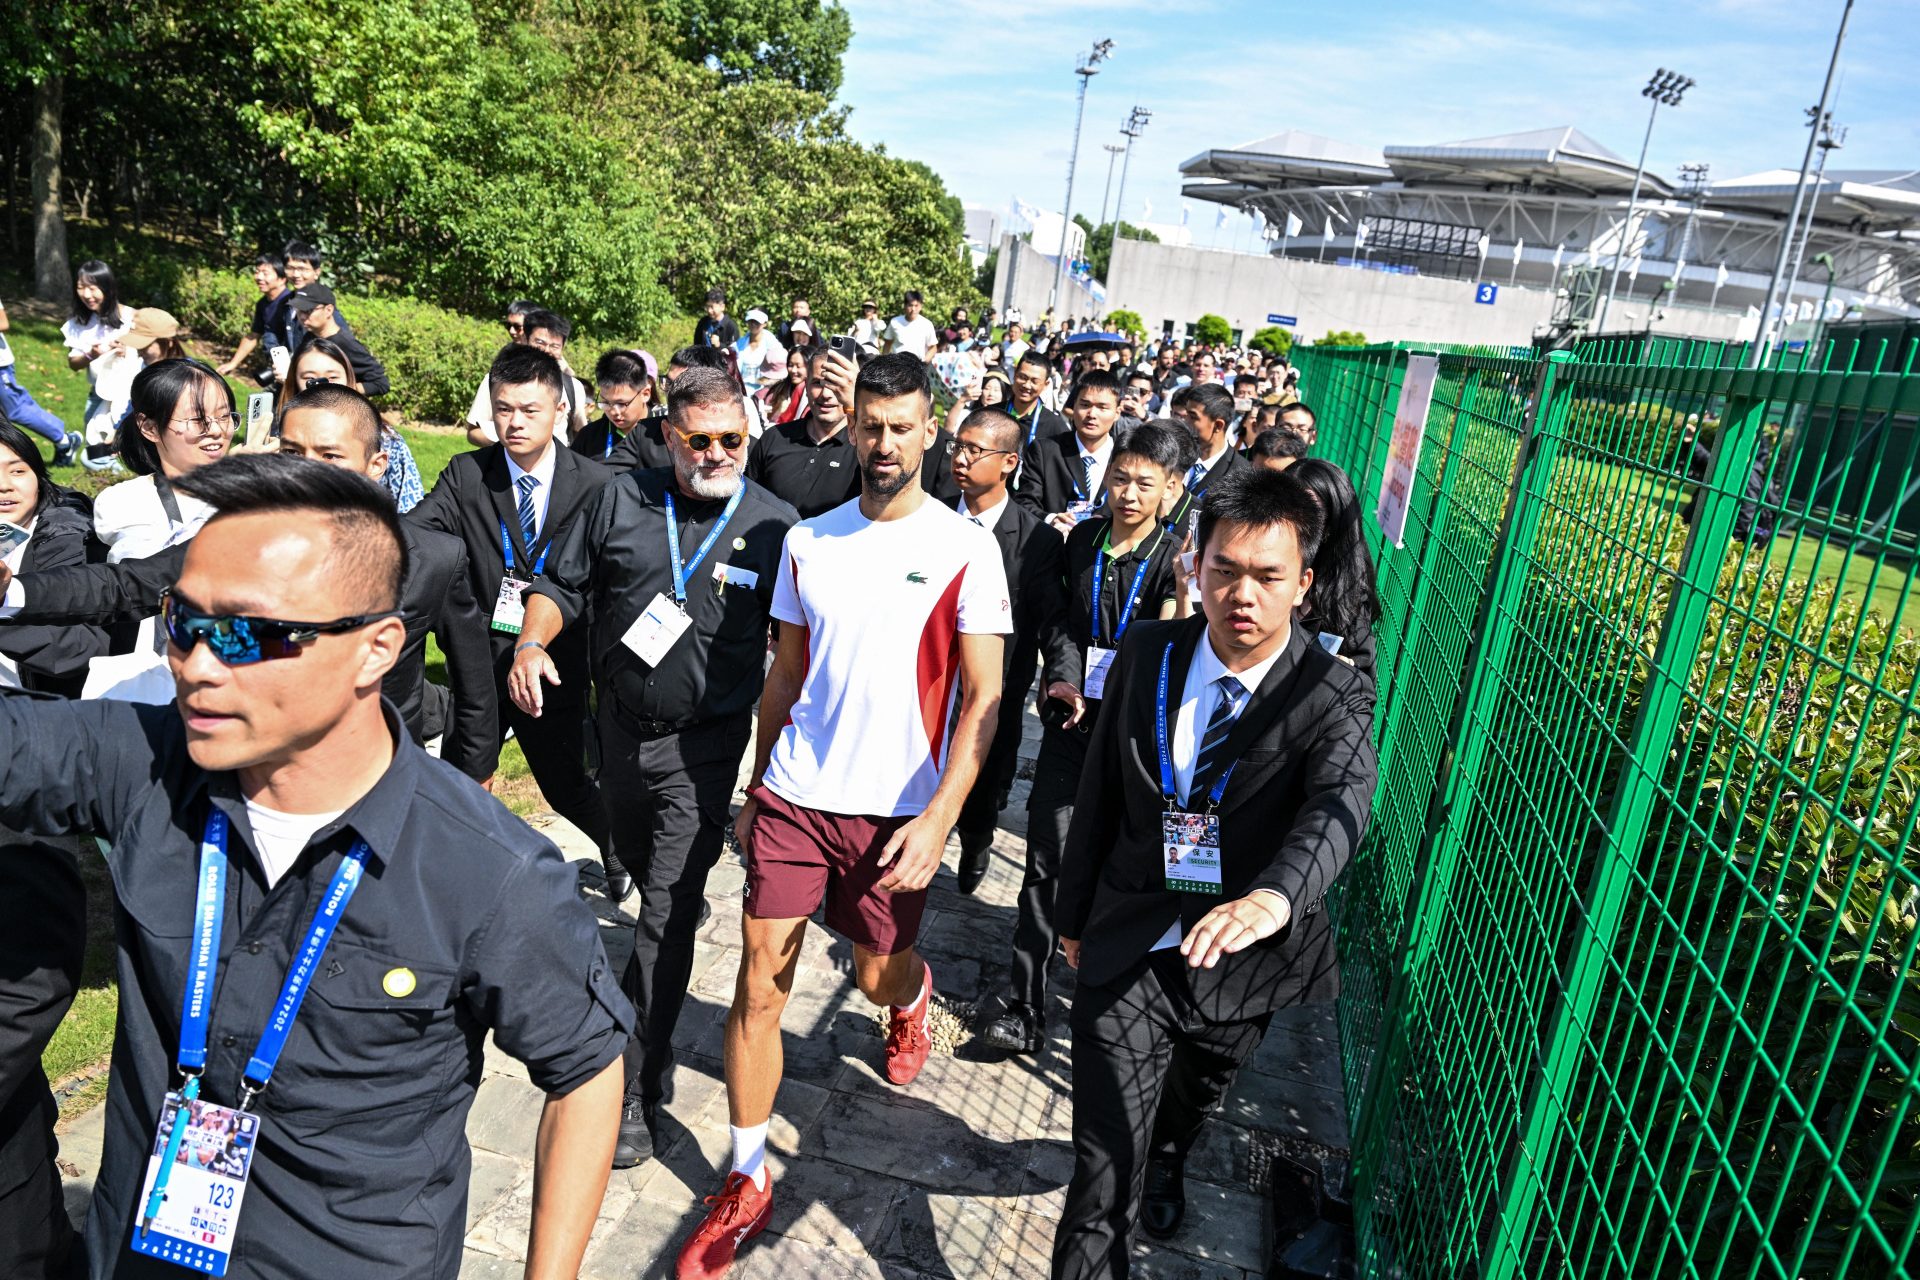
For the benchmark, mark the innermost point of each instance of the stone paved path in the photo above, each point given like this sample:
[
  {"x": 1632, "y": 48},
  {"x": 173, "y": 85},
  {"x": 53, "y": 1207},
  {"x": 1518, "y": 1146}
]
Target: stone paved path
[{"x": 960, "y": 1175}]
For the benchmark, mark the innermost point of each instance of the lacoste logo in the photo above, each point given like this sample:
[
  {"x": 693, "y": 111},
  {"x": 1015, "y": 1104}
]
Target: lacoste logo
[{"x": 918, "y": 577}]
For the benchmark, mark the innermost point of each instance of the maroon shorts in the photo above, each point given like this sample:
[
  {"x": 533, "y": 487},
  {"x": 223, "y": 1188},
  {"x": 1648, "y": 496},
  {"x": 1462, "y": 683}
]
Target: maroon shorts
[{"x": 798, "y": 857}]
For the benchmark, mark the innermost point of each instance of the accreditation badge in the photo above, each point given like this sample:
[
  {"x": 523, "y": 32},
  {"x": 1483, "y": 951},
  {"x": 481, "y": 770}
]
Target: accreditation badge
[
  {"x": 192, "y": 1226},
  {"x": 655, "y": 631},
  {"x": 1099, "y": 663},
  {"x": 510, "y": 606},
  {"x": 1190, "y": 843}
]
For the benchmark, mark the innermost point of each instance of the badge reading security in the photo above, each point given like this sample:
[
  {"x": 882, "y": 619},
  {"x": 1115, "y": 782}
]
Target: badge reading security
[{"x": 398, "y": 983}]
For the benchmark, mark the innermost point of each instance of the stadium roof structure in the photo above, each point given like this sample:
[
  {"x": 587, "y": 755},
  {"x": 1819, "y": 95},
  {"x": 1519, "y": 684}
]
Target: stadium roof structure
[{"x": 1540, "y": 200}]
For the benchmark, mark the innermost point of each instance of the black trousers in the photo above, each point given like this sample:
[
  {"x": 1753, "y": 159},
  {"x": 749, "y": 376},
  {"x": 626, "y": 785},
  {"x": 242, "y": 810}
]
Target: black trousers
[
  {"x": 1147, "y": 1072},
  {"x": 669, "y": 797},
  {"x": 1056, "y": 780},
  {"x": 556, "y": 745},
  {"x": 36, "y": 1240}
]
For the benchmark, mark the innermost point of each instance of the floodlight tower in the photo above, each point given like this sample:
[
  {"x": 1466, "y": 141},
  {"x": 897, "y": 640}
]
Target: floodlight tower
[
  {"x": 1089, "y": 68},
  {"x": 1664, "y": 89},
  {"x": 1135, "y": 125}
]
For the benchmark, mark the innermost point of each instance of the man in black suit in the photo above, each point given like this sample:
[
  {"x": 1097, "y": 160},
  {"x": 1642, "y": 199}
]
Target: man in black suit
[
  {"x": 509, "y": 503},
  {"x": 1207, "y": 410},
  {"x": 339, "y": 426},
  {"x": 1063, "y": 478},
  {"x": 986, "y": 452},
  {"x": 1229, "y": 779},
  {"x": 1031, "y": 374}
]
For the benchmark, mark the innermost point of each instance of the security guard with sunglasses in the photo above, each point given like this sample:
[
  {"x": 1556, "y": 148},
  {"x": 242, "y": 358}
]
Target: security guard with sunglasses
[
  {"x": 319, "y": 924},
  {"x": 672, "y": 569}
]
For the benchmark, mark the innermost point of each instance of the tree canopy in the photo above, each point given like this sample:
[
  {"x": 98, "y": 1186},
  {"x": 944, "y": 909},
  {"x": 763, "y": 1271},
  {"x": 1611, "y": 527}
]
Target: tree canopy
[
  {"x": 612, "y": 158},
  {"x": 1100, "y": 242},
  {"x": 1273, "y": 340},
  {"x": 1212, "y": 331}
]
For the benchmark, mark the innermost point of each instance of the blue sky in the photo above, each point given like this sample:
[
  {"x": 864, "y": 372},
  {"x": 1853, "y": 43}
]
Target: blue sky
[{"x": 983, "y": 90}]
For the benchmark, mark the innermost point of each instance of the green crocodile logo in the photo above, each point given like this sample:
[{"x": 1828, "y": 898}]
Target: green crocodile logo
[{"x": 918, "y": 577}]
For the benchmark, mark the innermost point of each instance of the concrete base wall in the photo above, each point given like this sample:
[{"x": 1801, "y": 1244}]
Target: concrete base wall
[{"x": 1167, "y": 283}]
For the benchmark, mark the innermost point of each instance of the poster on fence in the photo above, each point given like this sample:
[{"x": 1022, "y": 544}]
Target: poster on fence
[{"x": 1403, "y": 455}]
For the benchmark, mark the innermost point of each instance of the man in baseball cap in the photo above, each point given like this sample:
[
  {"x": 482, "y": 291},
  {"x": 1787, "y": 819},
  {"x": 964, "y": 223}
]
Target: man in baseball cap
[{"x": 313, "y": 306}]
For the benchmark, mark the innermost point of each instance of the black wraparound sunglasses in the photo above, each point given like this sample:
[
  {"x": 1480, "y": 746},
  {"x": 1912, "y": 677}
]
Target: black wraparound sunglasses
[{"x": 240, "y": 640}]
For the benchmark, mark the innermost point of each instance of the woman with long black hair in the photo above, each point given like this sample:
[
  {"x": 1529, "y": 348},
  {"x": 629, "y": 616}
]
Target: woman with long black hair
[
  {"x": 93, "y": 334},
  {"x": 42, "y": 526},
  {"x": 1343, "y": 603}
]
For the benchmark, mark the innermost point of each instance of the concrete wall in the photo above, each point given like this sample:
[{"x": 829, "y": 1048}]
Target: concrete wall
[
  {"x": 1166, "y": 282},
  {"x": 1023, "y": 277}
]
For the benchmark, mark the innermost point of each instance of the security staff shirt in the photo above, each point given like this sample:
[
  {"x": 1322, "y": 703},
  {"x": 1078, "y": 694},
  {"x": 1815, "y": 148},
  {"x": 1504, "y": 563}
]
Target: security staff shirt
[
  {"x": 1065, "y": 639},
  {"x": 614, "y": 558},
  {"x": 465, "y": 922},
  {"x": 810, "y": 476}
]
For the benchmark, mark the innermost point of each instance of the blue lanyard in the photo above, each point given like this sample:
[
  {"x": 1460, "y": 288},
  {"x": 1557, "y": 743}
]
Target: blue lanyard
[
  {"x": 1133, "y": 592},
  {"x": 673, "y": 542},
  {"x": 607, "y": 452},
  {"x": 197, "y": 1009},
  {"x": 1033, "y": 428},
  {"x": 1166, "y": 753},
  {"x": 506, "y": 550}
]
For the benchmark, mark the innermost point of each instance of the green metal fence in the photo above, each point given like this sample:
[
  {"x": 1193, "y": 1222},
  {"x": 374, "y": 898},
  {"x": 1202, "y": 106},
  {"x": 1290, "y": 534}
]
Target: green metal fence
[{"x": 1629, "y": 951}]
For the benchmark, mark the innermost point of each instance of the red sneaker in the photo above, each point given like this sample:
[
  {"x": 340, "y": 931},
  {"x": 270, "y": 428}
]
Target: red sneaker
[
  {"x": 908, "y": 1040},
  {"x": 739, "y": 1213}
]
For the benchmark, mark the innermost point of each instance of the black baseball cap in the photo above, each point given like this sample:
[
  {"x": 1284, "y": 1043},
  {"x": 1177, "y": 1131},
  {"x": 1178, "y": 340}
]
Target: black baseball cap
[{"x": 314, "y": 295}]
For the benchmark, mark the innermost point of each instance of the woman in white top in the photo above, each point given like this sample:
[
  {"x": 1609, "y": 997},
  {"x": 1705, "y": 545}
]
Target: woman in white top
[
  {"x": 759, "y": 353},
  {"x": 92, "y": 334},
  {"x": 182, "y": 418}
]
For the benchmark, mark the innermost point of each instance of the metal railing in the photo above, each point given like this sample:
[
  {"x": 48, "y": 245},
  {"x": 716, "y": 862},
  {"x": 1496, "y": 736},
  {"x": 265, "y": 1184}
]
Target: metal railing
[{"x": 1629, "y": 950}]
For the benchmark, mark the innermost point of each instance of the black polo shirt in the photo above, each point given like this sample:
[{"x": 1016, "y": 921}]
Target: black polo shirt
[
  {"x": 810, "y": 477},
  {"x": 1066, "y": 638},
  {"x": 362, "y": 1159},
  {"x": 614, "y": 558},
  {"x": 599, "y": 441}
]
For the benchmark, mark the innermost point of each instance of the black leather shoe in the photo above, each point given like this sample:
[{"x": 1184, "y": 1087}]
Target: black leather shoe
[
  {"x": 1163, "y": 1205},
  {"x": 619, "y": 885},
  {"x": 973, "y": 863},
  {"x": 1016, "y": 1030},
  {"x": 635, "y": 1143}
]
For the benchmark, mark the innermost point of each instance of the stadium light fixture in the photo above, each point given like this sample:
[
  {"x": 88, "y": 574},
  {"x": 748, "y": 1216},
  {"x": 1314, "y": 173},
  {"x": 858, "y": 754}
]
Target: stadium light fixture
[
  {"x": 1666, "y": 88},
  {"x": 1089, "y": 68}
]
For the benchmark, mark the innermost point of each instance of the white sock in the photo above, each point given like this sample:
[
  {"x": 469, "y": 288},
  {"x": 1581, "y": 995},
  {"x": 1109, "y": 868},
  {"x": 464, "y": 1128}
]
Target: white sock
[
  {"x": 918, "y": 992},
  {"x": 750, "y": 1152}
]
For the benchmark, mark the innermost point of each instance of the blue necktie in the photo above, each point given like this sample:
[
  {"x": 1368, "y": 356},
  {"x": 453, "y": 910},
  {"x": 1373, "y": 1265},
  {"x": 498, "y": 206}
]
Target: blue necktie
[
  {"x": 1089, "y": 462},
  {"x": 528, "y": 525},
  {"x": 1231, "y": 699}
]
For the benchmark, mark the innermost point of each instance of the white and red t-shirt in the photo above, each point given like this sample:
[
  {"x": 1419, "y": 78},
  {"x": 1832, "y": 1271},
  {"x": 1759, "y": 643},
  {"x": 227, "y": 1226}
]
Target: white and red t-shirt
[{"x": 884, "y": 606}]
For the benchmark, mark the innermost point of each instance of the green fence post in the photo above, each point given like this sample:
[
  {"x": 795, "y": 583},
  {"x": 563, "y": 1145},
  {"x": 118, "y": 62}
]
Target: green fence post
[
  {"x": 1533, "y": 479},
  {"x": 1611, "y": 880}
]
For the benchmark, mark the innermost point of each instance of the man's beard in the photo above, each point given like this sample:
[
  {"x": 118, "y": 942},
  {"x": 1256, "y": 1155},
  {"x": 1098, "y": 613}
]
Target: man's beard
[
  {"x": 712, "y": 487},
  {"x": 885, "y": 486}
]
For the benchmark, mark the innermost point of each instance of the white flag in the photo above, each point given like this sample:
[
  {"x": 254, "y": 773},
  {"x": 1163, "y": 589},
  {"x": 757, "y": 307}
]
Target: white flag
[
  {"x": 1220, "y": 219},
  {"x": 1518, "y": 246},
  {"x": 1294, "y": 225},
  {"x": 1360, "y": 236},
  {"x": 1633, "y": 270},
  {"x": 1557, "y": 251},
  {"x": 1146, "y": 208},
  {"x": 1186, "y": 212},
  {"x": 1753, "y": 312},
  {"x": 1720, "y": 276},
  {"x": 1484, "y": 245},
  {"x": 1328, "y": 233},
  {"x": 1259, "y": 220},
  {"x": 1679, "y": 269}
]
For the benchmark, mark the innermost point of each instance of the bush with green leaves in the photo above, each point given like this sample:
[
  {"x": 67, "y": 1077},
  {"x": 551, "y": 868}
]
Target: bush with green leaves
[
  {"x": 1128, "y": 322},
  {"x": 1212, "y": 331},
  {"x": 1342, "y": 338},
  {"x": 1273, "y": 340}
]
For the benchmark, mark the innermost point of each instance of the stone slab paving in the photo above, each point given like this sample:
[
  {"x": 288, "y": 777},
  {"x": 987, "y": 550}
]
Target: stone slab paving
[{"x": 960, "y": 1175}]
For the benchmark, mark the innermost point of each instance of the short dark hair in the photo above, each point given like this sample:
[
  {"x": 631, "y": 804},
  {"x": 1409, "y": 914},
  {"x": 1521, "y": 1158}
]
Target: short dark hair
[
  {"x": 278, "y": 261},
  {"x": 517, "y": 366},
  {"x": 157, "y": 391},
  {"x": 717, "y": 295},
  {"x": 1260, "y": 498},
  {"x": 523, "y": 307},
  {"x": 552, "y": 321},
  {"x": 369, "y": 550},
  {"x": 1142, "y": 375},
  {"x": 301, "y": 251},
  {"x": 1277, "y": 442},
  {"x": 1189, "y": 446},
  {"x": 1210, "y": 398},
  {"x": 700, "y": 386},
  {"x": 1096, "y": 380},
  {"x": 1003, "y": 431},
  {"x": 699, "y": 358},
  {"x": 898, "y": 373},
  {"x": 913, "y": 295},
  {"x": 21, "y": 446},
  {"x": 1301, "y": 406},
  {"x": 1032, "y": 356},
  {"x": 1156, "y": 441},
  {"x": 331, "y": 397},
  {"x": 621, "y": 367}
]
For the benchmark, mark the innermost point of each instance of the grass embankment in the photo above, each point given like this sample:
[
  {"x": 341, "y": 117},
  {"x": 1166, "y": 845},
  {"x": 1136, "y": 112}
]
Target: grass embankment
[{"x": 76, "y": 1059}]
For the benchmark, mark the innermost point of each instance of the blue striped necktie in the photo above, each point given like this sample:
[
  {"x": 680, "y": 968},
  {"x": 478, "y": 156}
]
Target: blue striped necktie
[
  {"x": 1231, "y": 699},
  {"x": 1089, "y": 463},
  {"x": 528, "y": 525}
]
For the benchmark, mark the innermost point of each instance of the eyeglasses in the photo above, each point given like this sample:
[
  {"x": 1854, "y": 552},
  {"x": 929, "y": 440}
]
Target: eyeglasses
[
  {"x": 608, "y": 406},
  {"x": 202, "y": 427},
  {"x": 701, "y": 441},
  {"x": 239, "y": 640},
  {"x": 966, "y": 454}
]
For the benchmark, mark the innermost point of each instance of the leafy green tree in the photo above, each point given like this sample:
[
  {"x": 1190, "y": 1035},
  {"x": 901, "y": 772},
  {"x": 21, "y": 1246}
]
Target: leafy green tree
[
  {"x": 1342, "y": 338},
  {"x": 1273, "y": 340},
  {"x": 1100, "y": 242},
  {"x": 798, "y": 41},
  {"x": 1212, "y": 331},
  {"x": 1124, "y": 321},
  {"x": 983, "y": 276}
]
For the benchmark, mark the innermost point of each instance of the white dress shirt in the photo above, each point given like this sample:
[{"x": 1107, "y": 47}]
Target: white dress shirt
[
  {"x": 543, "y": 472},
  {"x": 987, "y": 519},
  {"x": 1101, "y": 457}
]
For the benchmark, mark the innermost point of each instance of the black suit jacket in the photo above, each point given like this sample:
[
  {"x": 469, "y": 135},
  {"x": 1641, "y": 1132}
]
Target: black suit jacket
[
  {"x": 436, "y": 598},
  {"x": 43, "y": 939},
  {"x": 1034, "y": 557},
  {"x": 1184, "y": 513},
  {"x": 1052, "y": 477},
  {"x": 1291, "y": 817},
  {"x": 641, "y": 449},
  {"x": 53, "y": 659},
  {"x": 936, "y": 468},
  {"x": 471, "y": 500}
]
